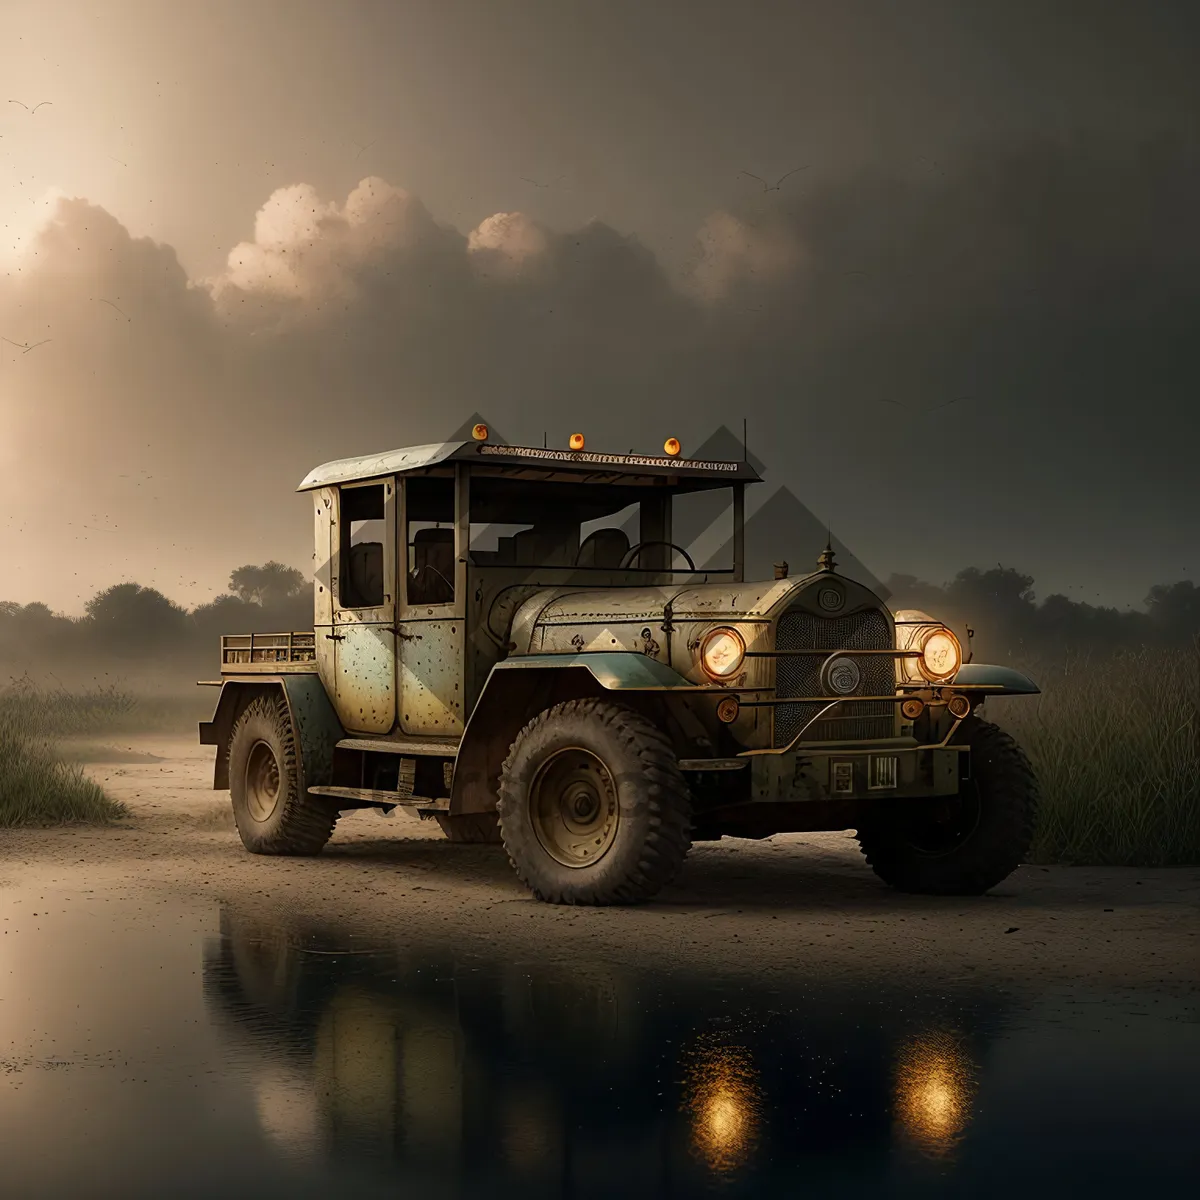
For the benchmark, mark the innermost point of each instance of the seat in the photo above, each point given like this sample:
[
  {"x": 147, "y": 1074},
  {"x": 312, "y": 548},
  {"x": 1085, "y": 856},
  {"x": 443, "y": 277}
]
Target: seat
[
  {"x": 365, "y": 576},
  {"x": 603, "y": 548},
  {"x": 431, "y": 580}
]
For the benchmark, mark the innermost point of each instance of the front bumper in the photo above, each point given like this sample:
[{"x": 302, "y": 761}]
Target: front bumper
[{"x": 899, "y": 768}]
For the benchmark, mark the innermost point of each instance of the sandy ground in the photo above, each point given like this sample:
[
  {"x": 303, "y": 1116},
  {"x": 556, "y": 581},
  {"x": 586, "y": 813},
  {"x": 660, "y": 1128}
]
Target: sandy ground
[{"x": 804, "y": 904}]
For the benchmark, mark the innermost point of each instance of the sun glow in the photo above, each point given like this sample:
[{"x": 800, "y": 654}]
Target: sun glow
[{"x": 20, "y": 231}]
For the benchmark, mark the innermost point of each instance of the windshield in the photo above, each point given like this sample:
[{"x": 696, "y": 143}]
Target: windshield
[{"x": 519, "y": 523}]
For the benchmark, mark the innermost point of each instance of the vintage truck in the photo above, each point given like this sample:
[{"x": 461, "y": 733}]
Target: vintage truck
[{"x": 506, "y": 640}]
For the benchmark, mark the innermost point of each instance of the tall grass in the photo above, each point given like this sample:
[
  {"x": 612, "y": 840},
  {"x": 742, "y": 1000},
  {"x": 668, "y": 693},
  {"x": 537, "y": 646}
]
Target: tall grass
[
  {"x": 57, "y": 712},
  {"x": 36, "y": 786},
  {"x": 1115, "y": 741}
]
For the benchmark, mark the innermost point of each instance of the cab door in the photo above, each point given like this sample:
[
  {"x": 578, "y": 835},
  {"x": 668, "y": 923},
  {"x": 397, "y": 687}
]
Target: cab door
[
  {"x": 433, "y": 583},
  {"x": 363, "y": 536}
]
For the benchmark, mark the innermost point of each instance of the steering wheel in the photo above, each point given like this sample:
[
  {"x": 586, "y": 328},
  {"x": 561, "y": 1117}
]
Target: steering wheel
[
  {"x": 417, "y": 577},
  {"x": 638, "y": 547},
  {"x": 594, "y": 536}
]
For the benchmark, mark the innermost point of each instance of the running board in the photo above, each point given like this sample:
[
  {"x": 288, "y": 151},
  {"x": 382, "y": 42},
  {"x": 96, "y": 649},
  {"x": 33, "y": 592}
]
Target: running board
[
  {"x": 384, "y": 800},
  {"x": 431, "y": 747},
  {"x": 712, "y": 764}
]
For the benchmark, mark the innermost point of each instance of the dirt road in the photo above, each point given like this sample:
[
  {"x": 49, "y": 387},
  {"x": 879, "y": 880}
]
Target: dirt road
[{"x": 802, "y": 904}]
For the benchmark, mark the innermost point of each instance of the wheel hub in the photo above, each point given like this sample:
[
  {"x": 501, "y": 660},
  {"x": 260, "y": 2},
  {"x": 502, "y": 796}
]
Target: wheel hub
[
  {"x": 263, "y": 781},
  {"x": 573, "y": 806}
]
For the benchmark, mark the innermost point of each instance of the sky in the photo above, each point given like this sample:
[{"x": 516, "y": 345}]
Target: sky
[{"x": 240, "y": 240}]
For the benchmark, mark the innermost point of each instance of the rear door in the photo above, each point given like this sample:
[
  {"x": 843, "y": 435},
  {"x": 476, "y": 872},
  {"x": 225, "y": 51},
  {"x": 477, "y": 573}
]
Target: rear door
[
  {"x": 364, "y": 606},
  {"x": 431, "y": 630}
]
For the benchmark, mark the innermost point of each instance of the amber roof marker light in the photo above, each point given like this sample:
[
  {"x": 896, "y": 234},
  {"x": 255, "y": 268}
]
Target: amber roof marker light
[
  {"x": 479, "y": 432},
  {"x": 576, "y": 442},
  {"x": 672, "y": 448}
]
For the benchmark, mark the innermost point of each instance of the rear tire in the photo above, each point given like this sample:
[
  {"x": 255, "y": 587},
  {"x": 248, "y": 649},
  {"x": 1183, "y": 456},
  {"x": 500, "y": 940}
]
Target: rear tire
[
  {"x": 593, "y": 807},
  {"x": 982, "y": 844},
  {"x": 272, "y": 809}
]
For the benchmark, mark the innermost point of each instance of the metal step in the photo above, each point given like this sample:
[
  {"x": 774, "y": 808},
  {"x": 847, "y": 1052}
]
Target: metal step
[
  {"x": 383, "y": 799},
  {"x": 713, "y": 764},
  {"x": 431, "y": 747}
]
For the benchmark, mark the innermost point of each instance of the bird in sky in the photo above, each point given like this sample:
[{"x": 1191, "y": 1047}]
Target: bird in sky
[
  {"x": 101, "y": 300},
  {"x": 34, "y": 109},
  {"x": 773, "y": 187}
]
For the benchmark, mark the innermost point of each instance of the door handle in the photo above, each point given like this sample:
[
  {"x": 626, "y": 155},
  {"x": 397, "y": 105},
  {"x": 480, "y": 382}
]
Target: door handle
[
  {"x": 335, "y": 637},
  {"x": 406, "y": 637}
]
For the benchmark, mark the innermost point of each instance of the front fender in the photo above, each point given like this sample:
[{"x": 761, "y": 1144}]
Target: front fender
[
  {"x": 521, "y": 686},
  {"x": 615, "y": 670},
  {"x": 994, "y": 681}
]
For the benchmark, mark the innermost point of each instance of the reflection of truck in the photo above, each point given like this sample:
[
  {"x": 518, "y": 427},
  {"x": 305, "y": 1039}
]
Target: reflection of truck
[
  {"x": 495, "y": 649},
  {"x": 587, "y": 1081}
]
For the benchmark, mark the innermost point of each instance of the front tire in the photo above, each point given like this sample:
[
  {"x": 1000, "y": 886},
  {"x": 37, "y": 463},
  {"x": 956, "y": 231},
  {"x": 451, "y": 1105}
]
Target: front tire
[
  {"x": 593, "y": 806},
  {"x": 985, "y": 839},
  {"x": 272, "y": 809}
]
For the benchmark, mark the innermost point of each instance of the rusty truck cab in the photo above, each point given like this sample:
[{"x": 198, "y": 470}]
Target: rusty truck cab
[{"x": 424, "y": 555}]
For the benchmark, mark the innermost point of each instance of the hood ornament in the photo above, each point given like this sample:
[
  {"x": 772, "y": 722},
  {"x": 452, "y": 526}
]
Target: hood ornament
[{"x": 826, "y": 562}]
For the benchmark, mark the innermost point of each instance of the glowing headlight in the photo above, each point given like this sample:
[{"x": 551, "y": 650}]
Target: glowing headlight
[
  {"x": 941, "y": 655},
  {"x": 722, "y": 653}
]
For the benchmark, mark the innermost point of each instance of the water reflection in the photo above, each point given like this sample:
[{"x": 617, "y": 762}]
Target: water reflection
[
  {"x": 568, "y": 1078},
  {"x": 723, "y": 1099},
  {"x": 935, "y": 1085},
  {"x": 317, "y": 1062}
]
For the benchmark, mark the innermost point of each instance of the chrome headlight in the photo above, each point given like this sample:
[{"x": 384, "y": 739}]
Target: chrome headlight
[
  {"x": 722, "y": 653},
  {"x": 941, "y": 655}
]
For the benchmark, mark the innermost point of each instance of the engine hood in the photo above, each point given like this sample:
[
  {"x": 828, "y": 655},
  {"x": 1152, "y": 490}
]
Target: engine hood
[{"x": 571, "y": 619}]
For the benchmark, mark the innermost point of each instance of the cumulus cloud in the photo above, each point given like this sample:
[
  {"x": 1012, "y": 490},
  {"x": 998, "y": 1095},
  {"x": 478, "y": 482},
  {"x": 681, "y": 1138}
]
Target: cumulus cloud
[
  {"x": 510, "y": 237},
  {"x": 1046, "y": 288},
  {"x": 309, "y": 249}
]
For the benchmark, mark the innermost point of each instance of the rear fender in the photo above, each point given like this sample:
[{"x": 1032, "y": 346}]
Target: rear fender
[
  {"x": 313, "y": 719},
  {"x": 519, "y": 688}
]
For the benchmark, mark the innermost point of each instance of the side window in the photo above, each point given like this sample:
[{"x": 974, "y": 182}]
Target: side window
[
  {"x": 429, "y": 538},
  {"x": 361, "y": 583}
]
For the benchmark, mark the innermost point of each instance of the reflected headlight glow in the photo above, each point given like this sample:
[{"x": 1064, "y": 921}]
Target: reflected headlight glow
[
  {"x": 723, "y": 1099},
  {"x": 935, "y": 1085},
  {"x": 722, "y": 653}
]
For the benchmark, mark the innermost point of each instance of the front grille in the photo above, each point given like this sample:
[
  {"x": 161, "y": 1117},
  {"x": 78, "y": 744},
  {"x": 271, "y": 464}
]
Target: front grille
[{"x": 801, "y": 676}]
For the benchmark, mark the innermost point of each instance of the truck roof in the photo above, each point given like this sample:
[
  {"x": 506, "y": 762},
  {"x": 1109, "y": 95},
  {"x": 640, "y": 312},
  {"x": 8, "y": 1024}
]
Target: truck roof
[{"x": 532, "y": 462}]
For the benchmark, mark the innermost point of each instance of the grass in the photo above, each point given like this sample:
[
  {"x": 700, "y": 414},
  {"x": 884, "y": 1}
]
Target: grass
[
  {"x": 57, "y": 712},
  {"x": 37, "y": 788},
  {"x": 1115, "y": 742}
]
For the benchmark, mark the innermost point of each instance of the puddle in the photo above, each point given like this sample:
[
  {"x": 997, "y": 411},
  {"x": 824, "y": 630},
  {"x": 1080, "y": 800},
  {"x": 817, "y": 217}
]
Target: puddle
[{"x": 153, "y": 1049}]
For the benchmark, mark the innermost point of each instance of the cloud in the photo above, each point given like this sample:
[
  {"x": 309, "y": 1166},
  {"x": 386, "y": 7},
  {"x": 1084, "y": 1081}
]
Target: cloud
[
  {"x": 1047, "y": 287},
  {"x": 310, "y": 250},
  {"x": 509, "y": 239},
  {"x": 734, "y": 250}
]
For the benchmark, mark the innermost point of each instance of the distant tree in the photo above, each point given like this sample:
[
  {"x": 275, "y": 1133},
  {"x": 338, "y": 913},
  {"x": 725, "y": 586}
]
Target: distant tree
[
  {"x": 269, "y": 585},
  {"x": 907, "y": 591},
  {"x": 127, "y": 616},
  {"x": 1174, "y": 609}
]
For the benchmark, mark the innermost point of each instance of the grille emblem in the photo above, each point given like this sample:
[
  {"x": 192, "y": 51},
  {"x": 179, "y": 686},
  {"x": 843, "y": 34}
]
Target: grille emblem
[
  {"x": 842, "y": 675},
  {"x": 830, "y": 599}
]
